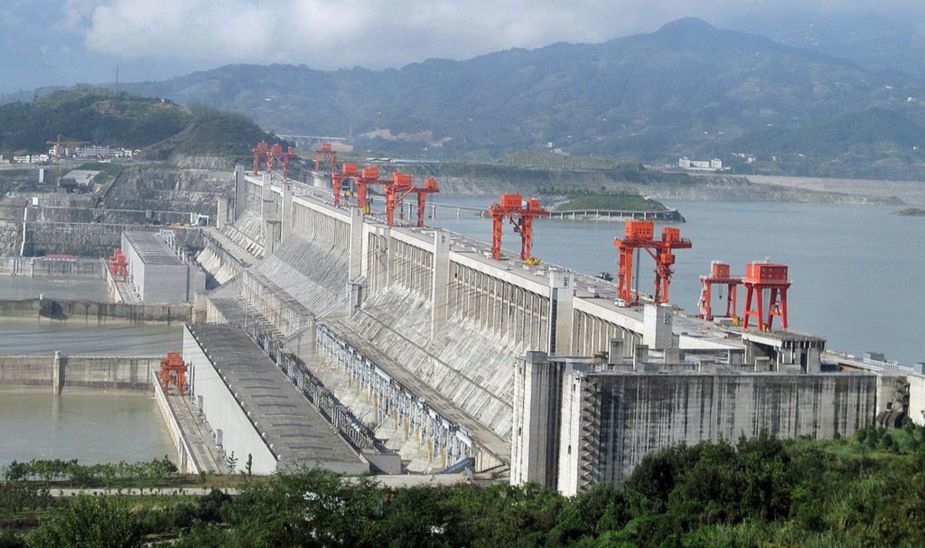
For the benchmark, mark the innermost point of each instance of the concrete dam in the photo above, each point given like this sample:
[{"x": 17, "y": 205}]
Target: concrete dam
[{"x": 415, "y": 342}]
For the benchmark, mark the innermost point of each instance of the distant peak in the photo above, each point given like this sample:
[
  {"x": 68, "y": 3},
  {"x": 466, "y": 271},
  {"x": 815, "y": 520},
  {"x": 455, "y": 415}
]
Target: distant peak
[{"x": 686, "y": 25}]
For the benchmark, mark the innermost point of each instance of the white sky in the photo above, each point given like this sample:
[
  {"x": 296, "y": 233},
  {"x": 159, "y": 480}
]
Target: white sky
[
  {"x": 61, "y": 42},
  {"x": 378, "y": 33}
]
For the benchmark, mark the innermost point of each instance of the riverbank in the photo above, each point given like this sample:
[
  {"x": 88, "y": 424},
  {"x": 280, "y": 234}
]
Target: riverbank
[{"x": 864, "y": 190}]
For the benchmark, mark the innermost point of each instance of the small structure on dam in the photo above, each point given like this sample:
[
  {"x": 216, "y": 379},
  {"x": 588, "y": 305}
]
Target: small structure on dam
[{"x": 155, "y": 272}]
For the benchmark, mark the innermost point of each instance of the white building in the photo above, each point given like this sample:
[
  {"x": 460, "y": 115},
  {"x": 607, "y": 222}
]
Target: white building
[
  {"x": 700, "y": 165},
  {"x": 156, "y": 273}
]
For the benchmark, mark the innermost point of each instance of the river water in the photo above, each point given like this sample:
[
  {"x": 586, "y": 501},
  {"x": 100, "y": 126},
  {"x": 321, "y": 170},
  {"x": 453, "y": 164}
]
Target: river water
[
  {"x": 30, "y": 336},
  {"x": 88, "y": 425},
  {"x": 858, "y": 271},
  {"x": 23, "y": 287},
  {"x": 93, "y": 427}
]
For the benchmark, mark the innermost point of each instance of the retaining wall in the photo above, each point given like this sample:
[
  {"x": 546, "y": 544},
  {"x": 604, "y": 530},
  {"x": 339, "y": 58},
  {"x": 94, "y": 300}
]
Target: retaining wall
[
  {"x": 102, "y": 372},
  {"x": 90, "y": 312},
  {"x": 186, "y": 463}
]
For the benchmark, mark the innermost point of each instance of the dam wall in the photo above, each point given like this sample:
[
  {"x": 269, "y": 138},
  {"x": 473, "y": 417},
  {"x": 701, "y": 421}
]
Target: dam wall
[
  {"x": 60, "y": 372},
  {"x": 429, "y": 303},
  {"x": 95, "y": 313},
  {"x": 89, "y": 239},
  {"x": 612, "y": 421},
  {"x": 418, "y": 331},
  {"x": 46, "y": 267}
]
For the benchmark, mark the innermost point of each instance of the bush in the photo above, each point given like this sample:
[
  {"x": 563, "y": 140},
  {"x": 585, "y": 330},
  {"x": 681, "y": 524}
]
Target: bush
[{"x": 89, "y": 521}]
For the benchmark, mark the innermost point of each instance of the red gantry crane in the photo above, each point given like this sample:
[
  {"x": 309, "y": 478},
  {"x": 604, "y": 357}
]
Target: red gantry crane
[
  {"x": 761, "y": 277},
  {"x": 368, "y": 176},
  {"x": 641, "y": 235},
  {"x": 719, "y": 275},
  {"x": 173, "y": 371},
  {"x": 118, "y": 266},
  {"x": 511, "y": 207},
  {"x": 327, "y": 152},
  {"x": 287, "y": 157},
  {"x": 276, "y": 152},
  {"x": 347, "y": 171},
  {"x": 399, "y": 188},
  {"x": 260, "y": 152}
]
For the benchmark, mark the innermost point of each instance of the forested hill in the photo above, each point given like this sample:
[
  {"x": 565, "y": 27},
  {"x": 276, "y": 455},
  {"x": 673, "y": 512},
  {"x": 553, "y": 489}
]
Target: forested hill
[
  {"x": 686, "y": 89},
  {"x": 102, "y": 117}
]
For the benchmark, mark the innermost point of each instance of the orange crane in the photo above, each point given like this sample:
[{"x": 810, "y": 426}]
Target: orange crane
[
  {"x": 511, "y": 207},
  {"x": 368, "y": 176},
  {"x": 328, "y": 152},
  {"x": 118, "y": 266},
  {"x": 286, "y": 157},
  {"x": 430, "y": 187},
  {"x": 347, "y": 171},
  {"x": 399, "y": 188},
  {"x": 260, "y": 152},
  {"x": 173, "y": 371},
  {"x": 719, "y": 275},
  {"x": 761, "y": 277},
  {"x": 276, "y": 152},
  {"x": 641, "y": 235},
  {"x": 395, "y": 192}
]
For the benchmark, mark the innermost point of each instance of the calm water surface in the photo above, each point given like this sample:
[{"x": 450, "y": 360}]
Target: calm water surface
[
  {"x": 23, "y": 287},
  {"x": 858, "y": 271},
  {"x": 91, "y": 427},
  {"x": 30, "y": 336}
]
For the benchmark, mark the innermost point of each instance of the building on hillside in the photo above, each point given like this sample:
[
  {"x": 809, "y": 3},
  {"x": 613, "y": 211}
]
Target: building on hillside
[
  {"x": 700, "y": 165},
  {"x": 155, "y": 271},
  {"x": 79, "y": 179}
]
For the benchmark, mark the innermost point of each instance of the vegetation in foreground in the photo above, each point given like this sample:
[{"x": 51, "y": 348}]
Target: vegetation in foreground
[{"x": 869, "y": 490}]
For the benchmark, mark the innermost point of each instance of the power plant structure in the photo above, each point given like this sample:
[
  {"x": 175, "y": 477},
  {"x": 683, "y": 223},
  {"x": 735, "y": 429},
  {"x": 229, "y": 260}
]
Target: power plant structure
[{"x": 339, "y": 338}]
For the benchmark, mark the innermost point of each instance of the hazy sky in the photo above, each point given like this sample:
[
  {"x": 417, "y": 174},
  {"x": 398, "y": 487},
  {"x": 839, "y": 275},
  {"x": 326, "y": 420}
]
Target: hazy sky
[{"x": 49, "y": 42}]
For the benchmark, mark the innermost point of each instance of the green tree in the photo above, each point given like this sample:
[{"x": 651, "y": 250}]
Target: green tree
[{"x": 88, "y": 521}]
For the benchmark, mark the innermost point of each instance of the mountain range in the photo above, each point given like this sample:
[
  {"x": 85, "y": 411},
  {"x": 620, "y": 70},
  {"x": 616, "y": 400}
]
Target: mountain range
[{"x": 688, "y": 89}]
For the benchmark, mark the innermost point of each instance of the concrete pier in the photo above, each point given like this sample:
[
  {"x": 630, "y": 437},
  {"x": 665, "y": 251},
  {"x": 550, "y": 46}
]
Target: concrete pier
[{"x": 60, "y": 371}]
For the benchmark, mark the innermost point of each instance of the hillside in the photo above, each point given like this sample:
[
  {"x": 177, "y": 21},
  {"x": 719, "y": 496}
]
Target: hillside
[
  {"x": 158, "y": 127},
  {"x": 687, "y": 89}
]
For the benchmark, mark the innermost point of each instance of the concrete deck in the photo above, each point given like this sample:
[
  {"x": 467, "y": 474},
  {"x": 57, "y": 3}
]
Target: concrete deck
[
  {"x": 294, "y": 430},
  {"x": 197, "y": 435}
]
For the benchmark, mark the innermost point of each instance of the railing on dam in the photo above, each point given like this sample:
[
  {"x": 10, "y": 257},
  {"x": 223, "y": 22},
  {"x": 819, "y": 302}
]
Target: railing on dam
[{"x": 357, "y": 434}]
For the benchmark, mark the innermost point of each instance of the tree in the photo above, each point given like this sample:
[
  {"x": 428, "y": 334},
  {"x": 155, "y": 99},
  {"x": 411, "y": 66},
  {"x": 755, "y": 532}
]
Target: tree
[
  {"x": 89, "y": 521},
  {"x": 231, "y": 462}
]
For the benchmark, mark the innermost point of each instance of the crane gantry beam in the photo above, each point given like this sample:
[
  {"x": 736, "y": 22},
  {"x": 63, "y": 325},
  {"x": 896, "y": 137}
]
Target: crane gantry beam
[
  {"x": 641, "y": 235},
  {"x": 511, "y": 208}
]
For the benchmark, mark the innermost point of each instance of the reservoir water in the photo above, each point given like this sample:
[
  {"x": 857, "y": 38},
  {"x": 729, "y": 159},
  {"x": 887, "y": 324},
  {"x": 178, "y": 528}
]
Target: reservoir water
[
  {"x": 88, "y": 425},
  {"x": 29, "y": 336},
  {"x": 857, "y": 271},
  {"x": 24, "y": 287},
  {"x": 93, "y": 427}
]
